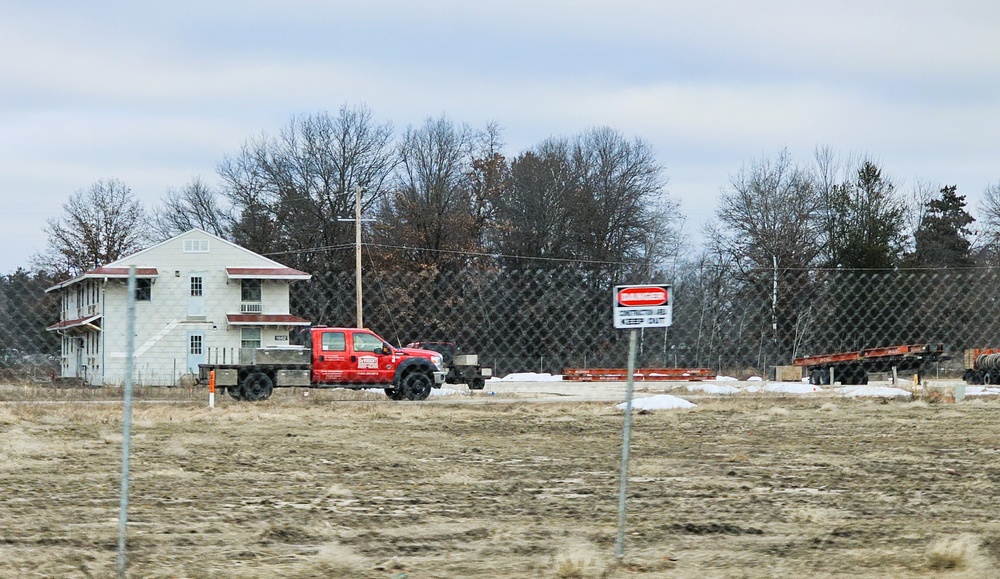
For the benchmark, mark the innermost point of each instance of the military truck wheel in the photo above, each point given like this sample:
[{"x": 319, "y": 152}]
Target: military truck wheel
[
  {"x": 416, "y": 386},
  {"x": 235, "y": 392},
  {"x": 477, "y": 384},
  {"x": 257, "y": 386},
  {"x": 394, "y": 393}
]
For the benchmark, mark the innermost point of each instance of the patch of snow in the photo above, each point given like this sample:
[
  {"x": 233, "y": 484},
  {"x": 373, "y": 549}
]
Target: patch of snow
[
  {"x": 658, "y": 402},
  {"x": 528, "y": 377},
  {"x": 982, "y": 391},
  {"x": 712, "y": 388},
  {"x": 724, "y": 379},
  {"x": 784, "y": 388},
  {"x": 792, "y": 388},
  {"x": 881, "y": 391},
  {"x": 754, "y": 379},
  {"x": 443, "y": 391}
]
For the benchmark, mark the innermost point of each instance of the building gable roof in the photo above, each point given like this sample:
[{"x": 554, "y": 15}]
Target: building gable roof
[{"x": 119, "y": 267}]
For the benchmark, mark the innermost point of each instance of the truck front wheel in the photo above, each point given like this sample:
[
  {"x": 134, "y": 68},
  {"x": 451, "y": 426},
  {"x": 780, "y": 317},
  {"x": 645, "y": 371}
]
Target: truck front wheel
[
  {"x": 416, "y": 386},
  {"x": 394, "y": 393},
  {"x": 257, "y": 386}
]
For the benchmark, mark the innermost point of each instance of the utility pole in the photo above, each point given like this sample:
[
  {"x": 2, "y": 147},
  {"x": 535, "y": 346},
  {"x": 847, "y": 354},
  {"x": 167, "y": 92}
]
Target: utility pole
[{"x": 357, "y": 251}]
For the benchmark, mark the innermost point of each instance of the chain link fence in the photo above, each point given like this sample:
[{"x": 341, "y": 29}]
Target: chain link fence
[{"x": 549, "y": 320}]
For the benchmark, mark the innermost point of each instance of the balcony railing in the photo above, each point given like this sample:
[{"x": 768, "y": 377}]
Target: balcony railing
[{"x": 250, "y": 308}]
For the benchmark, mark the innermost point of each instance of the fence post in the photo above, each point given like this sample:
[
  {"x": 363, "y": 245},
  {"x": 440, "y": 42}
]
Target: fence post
[
  {"x": 626, "y": 442},
  {"x": 211, "y": 388},
  {"x": 127, "y": 419}
]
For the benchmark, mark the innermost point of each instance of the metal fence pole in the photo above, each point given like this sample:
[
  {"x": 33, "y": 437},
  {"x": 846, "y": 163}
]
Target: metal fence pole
[
  {"x": 127, "y": 420},
  {"x": 626, "y": 441}
]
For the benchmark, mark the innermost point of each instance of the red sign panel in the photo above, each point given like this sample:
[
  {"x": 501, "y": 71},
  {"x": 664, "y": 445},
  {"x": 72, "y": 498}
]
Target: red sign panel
[
  {"x": 637, "y": 296},
  {"x": 642, "y": 306}
]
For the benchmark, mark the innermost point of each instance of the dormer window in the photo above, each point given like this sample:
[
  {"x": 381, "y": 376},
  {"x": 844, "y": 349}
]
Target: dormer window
[{"x": 195, "y": 246}]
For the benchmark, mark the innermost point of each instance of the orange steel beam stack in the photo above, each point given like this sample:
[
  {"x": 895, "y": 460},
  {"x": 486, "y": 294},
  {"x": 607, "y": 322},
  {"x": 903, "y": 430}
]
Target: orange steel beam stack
[
  {"x": 642, "y": 374},
  {"x": 867, "y": 354}
]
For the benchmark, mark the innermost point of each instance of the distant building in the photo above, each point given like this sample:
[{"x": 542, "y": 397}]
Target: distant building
[{"x": 199, "y": 298}]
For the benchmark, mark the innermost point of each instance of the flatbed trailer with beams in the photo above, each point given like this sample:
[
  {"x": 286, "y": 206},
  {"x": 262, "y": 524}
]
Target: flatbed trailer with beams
[
  {"x": 854, "y": 367},
  {"x": 640, "y": 375}
]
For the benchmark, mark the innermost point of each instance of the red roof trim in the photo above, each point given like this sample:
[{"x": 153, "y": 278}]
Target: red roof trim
[
  {"x": 107, "y": 272},
  {"x": 266, "y": 273},
  {"x": 67, "y": 324},
  {"x": 266, "y": 320},
  {"x": 121, "y": 272}
]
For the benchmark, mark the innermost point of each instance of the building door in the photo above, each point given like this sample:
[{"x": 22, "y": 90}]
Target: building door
[
  {"x": 195, "y": 351},
  {"x": 196, "y": 296},
  {"x": 77, "y": 371}
]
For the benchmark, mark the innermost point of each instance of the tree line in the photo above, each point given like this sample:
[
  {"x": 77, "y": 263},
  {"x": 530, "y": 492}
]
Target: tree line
[
  {"x": 444, "y": 202},
  {"x": 440, "y": 195},
  {"x": 443, "y": 195}
]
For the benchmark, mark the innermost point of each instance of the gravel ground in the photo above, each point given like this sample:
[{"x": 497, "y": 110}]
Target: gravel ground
[{"x": 342, "y": 484}]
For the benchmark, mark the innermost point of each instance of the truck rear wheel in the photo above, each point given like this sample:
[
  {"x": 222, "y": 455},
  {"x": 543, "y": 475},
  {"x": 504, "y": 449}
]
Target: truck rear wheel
[
  {"x": 394, "y": 393},
  {"x": 477, "y": 383},
  {"x": 257, "y": 386},
  {"x": 416, "y": 386},
  {"x": 820, "y": 377}
]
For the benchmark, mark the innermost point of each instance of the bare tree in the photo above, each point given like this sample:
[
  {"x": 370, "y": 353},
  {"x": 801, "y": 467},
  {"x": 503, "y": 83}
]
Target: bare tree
[
  {"x": 99, "y": 225},
  {"x": 625, "y": 202},
  {"x": 432, "y": 209},
  {"x": 768, "y": 228},
  {"x": 599, "y": 199},
  {"x": 535, "y": 212},
  {"x": 989, "y": 210},
  {"x": 288, "y": 192},
  {"x": 196, "y": 205},
  {"x": 767, "y": 216}
]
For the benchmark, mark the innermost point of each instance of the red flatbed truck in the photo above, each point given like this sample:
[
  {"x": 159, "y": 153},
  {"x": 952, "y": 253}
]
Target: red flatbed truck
[
  {"x": 336, "y": 358},
  {"x": 854, "y": 367}
]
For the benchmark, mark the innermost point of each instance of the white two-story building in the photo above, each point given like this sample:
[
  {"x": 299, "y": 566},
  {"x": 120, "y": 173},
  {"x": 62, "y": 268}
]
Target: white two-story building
[{"x": 198, "y": 299}]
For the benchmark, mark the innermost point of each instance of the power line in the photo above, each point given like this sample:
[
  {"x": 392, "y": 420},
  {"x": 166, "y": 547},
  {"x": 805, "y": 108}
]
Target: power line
[{"x": 456, "y": 252}]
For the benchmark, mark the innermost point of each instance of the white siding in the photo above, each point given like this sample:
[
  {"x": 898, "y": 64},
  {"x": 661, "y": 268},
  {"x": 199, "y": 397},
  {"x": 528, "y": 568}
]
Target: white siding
[{"x": 162, "y": 323}]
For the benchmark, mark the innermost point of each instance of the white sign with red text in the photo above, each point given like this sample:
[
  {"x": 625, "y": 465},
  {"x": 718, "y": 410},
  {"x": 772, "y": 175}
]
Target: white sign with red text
[{"x": 642, "y": 306}]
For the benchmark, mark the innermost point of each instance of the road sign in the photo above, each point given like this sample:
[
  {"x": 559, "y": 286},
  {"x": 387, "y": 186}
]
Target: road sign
[{"x": 642, "y": 306}]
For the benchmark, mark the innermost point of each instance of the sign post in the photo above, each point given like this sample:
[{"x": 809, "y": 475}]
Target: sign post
[{"x": 635, "y": 307}]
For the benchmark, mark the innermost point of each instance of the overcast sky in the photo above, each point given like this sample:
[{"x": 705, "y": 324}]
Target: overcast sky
[{"x": 155, "y": 94}]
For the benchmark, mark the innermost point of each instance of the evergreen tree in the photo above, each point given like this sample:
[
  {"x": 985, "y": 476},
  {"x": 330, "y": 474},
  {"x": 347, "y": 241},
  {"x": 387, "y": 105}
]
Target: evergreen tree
[
  {"x": 865, "y": 221},
  {"x": 942, "y": 237}
]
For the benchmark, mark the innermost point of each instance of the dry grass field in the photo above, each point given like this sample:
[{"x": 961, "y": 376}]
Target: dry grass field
[{"x": 352, "y": 485}]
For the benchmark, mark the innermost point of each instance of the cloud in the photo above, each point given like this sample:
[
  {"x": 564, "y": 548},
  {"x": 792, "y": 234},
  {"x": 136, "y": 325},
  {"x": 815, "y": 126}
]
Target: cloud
[{"x": 156, "y": 94}]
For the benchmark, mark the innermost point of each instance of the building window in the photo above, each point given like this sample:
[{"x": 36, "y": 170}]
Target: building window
[
  {"x": 196, "y": 287},
  {"x": 143, "y": 289},
  {"x": 251, "y": 290},
  {"x": 195, "y": 246},
  {"x": 250, "y": 296},
  {"x": 196, "y": 345},
  {"x": 250, "y": 338}
]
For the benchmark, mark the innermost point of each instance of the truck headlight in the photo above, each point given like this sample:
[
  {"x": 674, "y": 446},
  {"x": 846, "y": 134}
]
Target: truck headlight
[{"x": 438, "y": 361}]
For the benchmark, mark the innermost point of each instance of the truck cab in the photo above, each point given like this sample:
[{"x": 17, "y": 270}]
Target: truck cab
[{"x": 360, "y": 357}]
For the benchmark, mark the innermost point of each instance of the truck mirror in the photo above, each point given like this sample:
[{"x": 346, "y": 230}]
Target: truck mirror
[{"x": 386, "y": 348}]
